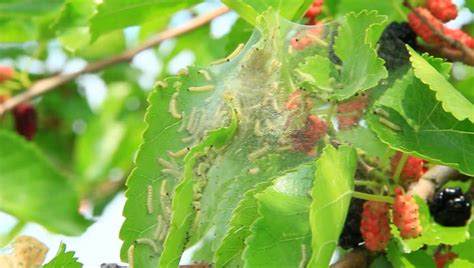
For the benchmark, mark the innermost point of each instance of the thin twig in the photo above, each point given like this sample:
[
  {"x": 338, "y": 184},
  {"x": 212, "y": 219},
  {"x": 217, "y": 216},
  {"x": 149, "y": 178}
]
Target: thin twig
[
  {"x": 466, "y": 51},
  {"x": 47, "y": 84},
  {"x": 433, "y": 178}
]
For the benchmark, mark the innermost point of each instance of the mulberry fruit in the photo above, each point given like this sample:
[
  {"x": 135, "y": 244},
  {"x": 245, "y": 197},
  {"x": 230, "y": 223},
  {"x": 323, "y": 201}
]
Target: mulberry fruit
[
  {"x": 6, "y": 73},
  {"x": 375, "y": 226},
  {"x": 406, "y": 215},
  {"x": 314, "y": 9},
  {"x": 450, "y": 207},
  {"x": 444, "y": 10},
  {"x": 350, "y": 112},
  {"x": 441, "y": 259},
  {"x": 412, "y": 170},
  {"x": 422, "y": 29},
  {"x": 351, "y": 236},
  {"x": 315, "y": 129},
  {"x": 25, "y": 120}
]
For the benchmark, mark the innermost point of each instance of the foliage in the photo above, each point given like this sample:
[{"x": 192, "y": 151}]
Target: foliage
[{"x": 245, "y": 162}]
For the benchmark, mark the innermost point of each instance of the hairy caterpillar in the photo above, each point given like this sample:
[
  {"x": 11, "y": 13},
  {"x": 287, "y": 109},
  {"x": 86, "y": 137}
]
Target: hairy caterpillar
[
  {"x": 149, "y": 199},
  {"x": 202, "y": 88},
  {"x": 258, "y": 153},
  {"x": 304, "y": 257},
  {"x": 150, "y": 243},
  {"x": 231, "y": 55},
  {"x": 179, "y": 153},
  {"x": 206, "y": 74},
  {"x": 172, "y": 108},
  {"x": 130, "y": 256}
]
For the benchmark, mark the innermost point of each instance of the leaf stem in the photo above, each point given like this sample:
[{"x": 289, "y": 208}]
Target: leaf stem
[
  {"x": 373, "y": 197},
  {"x": 4, "y": 239},
  {"x": 398, "y": 171},
  {"x": 367, "y": 183}
]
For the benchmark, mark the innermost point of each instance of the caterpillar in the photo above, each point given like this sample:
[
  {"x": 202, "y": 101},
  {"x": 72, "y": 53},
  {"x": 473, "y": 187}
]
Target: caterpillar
[
  {"x": 202, "y": 88},
  {"x": 231, "y": 55},
  {"x": 206, "y": 74},
  {"x": 165, "y": 200},
  {"x": 159, "y": 227},
  {"x": 167, "y": 164},
  {"x": 258, "y": 153},
  {"x": 149, "y": 199},
  {"x": 389, "y": 124},
  {"x": 183, "y": 72},
  {"x": 254, "y": 170},
  {"x": 130, "y": 256},
  {"x": 179, "y": 153},
  {"x": 173, "y": 172},
  {"x": 258, "y": 129},
  {"x": 161, "y": 84},
  {"x": 192, "y": 121},
  {"x": 381, "y": 112},
  {"x": 172, "y": 108},
  {"x": 304, "y": 257},
  {"x": 150, "y": 243}
]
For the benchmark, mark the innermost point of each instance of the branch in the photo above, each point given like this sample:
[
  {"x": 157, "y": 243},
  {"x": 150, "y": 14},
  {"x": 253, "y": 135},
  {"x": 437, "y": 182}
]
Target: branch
[
  {"x": 433, "y": 178},
  {"x": 47, "y": 84},
  {"x": 465, "y": 54}
]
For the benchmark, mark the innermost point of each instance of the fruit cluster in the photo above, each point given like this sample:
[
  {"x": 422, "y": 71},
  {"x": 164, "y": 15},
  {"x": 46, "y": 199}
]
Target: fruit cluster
[
  {"x": 314, "y": 128},
  {"x": 24, "y": 114},
  {"x": 423, "y": 19},
  {"x": 451, "y": 207},
  {"x": 375, "y": 223}
]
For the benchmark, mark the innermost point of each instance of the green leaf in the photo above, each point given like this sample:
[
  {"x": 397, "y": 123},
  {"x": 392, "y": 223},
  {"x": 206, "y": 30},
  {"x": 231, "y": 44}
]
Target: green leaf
[
  {"x": 426, "y": 130},
  {"x": 183, "y": 209},
  {"x": 105, "y": 46},
  {"x": 109, "y": 141},
  {"x": 63, "y": 259},
  {"x": 451, "y": 99},
  {"x": 71, "y": 25},
  {"x": 160, "y": 137},
  {"x": 249, "y": 9},
  {"x": 390, "y": 8},
  {"x": 355, "y": 46},
  {"x": 464, "y": 250},
  {"x": 460, "y": 263},
  {"x": 33, "y": 190},
  {"x": 332, "y": 192},
  {"x": 229, "y": 252},
  {"x": 364, "y": 139},
  {"x": 316, "y": 70},
  {"x": 116, "y": 14},
  {"x": 28, "y": 8},
  {"x": 413, "y": 260},
  {"x": 281, "y": 236}
]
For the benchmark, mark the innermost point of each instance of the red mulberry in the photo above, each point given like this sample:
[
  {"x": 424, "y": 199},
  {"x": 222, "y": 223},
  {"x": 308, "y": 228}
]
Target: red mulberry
[
  {"x": 412, "y": 170},
  {"x": 444, "y": 10},
  {"x": 406, "y": 215},
  {"x": 375, "y": 226},
  {"x": 315, "y": 129},
  {"x": 350, "y": 112},
  {"x": 25, "y": 120},
  {"x": 6, "y": 73}
]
